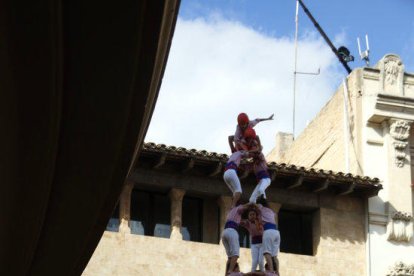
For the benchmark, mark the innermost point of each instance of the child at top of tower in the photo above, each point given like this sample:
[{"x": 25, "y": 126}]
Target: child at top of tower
[{"x": 243, "y": 123}]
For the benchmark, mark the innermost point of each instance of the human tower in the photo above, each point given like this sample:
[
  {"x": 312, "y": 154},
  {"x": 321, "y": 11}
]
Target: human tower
[{"x": 260, "y": 222}]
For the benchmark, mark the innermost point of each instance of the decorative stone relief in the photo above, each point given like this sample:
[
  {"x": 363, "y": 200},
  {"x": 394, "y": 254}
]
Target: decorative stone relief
[
  {"x": 400, "y": 131},
  {"x": 391, "y": 71},
  {"x": 400, "y": 227},
  {"x": 392, "y": 74},
  {"x": 401, "y": 269}
]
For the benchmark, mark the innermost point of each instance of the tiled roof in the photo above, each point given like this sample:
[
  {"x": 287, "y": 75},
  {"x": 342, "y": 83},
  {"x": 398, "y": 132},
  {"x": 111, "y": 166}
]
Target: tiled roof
[
  {"x": 180, "y": 151},
  {"x": 279, "y": 168}
]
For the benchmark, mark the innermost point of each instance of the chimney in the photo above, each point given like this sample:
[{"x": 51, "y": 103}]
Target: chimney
[{"x": 283, "y": 142}]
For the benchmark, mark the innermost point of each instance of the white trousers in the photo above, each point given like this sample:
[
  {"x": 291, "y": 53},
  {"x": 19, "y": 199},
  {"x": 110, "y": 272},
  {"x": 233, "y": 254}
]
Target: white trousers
[
  {"x": 257, "y": 256},
  {"x": 232, "y": 181},
  {"x": 260, "y": 189},
  {"x": 271, "y": 242},
  {"x": 230, "y": 239}
]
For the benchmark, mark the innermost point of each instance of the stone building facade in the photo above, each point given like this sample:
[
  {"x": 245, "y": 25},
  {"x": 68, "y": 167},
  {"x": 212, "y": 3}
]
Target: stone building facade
[
  {"x": 172, "y": 211},
  {"x": 366, "y": 129}
]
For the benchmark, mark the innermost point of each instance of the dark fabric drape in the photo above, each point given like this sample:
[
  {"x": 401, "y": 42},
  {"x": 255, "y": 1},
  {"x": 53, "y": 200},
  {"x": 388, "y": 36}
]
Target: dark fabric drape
[{"x": 76, "y": 94}]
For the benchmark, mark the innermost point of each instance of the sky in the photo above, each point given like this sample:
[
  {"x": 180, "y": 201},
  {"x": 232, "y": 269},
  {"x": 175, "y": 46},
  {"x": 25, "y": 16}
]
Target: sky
[{"x": 232, "y": 56}]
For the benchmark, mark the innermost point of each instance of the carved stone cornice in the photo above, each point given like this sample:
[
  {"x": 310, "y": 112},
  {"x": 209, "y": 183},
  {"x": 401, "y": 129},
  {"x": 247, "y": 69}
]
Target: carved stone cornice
[
  {"x": 391, "y": 99},
  {"x": 401, "y": 269}
]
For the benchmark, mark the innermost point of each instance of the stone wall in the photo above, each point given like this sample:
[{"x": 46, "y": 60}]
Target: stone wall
[
  {"x": 322, "y": 140},
  {"x": 322, "y": 143},
  {"x": 338, "y": 237},
  {"x": 380, "y": 114}
]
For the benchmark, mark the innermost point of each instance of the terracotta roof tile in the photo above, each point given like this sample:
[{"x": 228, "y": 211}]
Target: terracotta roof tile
[{"x": 281, "y": 167}]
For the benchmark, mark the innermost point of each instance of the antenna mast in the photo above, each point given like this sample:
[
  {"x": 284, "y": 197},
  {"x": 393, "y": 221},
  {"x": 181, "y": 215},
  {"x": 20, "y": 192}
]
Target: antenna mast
[
  {"x": 295, "y": 72},
  {"x": 365, "y": 54}
]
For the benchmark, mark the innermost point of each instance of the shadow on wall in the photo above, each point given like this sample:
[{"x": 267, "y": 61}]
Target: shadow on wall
[
  {"x": 397, "y": 226},
  {"x": 342, "y": 219}
]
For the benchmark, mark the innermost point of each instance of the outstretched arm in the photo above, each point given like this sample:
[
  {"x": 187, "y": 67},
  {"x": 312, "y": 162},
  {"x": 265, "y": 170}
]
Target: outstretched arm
[{"x": 265, "y": 119}]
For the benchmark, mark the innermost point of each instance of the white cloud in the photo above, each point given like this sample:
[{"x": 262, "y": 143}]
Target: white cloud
[{"x": 219, "y": 68}]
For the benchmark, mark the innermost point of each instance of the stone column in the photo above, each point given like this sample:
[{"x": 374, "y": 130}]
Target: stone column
[
  {"x": 125, "y": 207},
  {"x": 176, "y": 197},
  {"x": 275, "y": 207},
  {"x": 224, "y": 203}
]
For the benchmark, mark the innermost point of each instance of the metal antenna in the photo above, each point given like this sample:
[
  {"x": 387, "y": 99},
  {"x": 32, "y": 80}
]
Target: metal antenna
[
  {"x": 365, "y": 54},
  {"x": 296, "y": 72}
]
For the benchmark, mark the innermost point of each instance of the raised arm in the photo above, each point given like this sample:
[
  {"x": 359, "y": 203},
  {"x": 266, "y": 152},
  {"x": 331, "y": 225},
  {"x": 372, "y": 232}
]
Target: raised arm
[{"x": 258, "y": 120}]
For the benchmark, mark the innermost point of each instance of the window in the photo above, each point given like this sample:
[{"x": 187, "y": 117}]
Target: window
[
  {"x": 296, "y": 232},
  {"x": 192, "y": 218},
  {"x": 150, "y": 214},
  {"x": 113, "y": 223}
]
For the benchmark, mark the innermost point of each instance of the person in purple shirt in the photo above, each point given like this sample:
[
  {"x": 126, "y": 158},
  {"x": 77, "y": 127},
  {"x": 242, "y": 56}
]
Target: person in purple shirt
[
  {"x": 262, "y": 176},
  {"x": 271, "y": 235},
  {"x": 230, "y": 174},
  {"x": 230, "y": 235},
  {"x": 230, "y": 177}
]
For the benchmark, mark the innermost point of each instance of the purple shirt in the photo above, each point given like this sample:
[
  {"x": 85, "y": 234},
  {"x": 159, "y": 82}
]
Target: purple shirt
[
  {"x": 267, "y": 214},
  {"x": 235, "y": 214},
  {"x": 238, "y": 135}
]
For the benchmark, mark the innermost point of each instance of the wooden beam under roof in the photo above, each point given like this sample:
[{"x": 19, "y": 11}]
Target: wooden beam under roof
[
  {"x": 321, "y": 186},
  {"x": 217, "y": 169}
]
